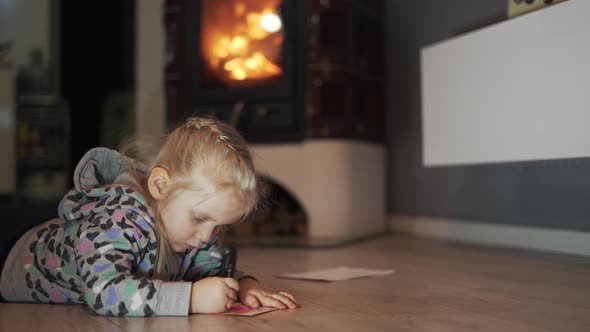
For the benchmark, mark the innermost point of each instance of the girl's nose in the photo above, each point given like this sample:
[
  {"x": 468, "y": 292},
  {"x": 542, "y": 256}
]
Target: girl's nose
[{"x": 205, "y": 235}]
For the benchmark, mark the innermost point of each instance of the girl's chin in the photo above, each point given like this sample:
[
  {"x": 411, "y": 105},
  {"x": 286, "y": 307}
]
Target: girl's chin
[{"x": 182, "y": 247}]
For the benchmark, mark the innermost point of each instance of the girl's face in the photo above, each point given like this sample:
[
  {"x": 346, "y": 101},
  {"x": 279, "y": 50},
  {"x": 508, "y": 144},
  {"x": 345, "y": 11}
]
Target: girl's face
[{"x": 192, "y": 218}]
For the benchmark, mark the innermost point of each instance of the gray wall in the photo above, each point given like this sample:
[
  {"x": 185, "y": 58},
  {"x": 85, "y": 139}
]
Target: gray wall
[{"x": 538, "y": 193}]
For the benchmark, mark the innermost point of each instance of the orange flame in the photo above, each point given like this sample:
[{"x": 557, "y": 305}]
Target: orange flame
[{"x": 235, "y": 45}]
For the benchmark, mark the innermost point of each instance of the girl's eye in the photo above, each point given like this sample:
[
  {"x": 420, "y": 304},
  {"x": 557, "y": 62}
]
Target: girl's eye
[{"x": 198, "y": 220}]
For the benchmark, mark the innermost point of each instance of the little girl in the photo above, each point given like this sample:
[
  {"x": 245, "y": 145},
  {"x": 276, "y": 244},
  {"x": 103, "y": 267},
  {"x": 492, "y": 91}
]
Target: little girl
[{"x": 139, "y": 240}]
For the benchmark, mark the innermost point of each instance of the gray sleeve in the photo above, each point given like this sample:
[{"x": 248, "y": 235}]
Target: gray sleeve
[{"x": 174, "y": 299}]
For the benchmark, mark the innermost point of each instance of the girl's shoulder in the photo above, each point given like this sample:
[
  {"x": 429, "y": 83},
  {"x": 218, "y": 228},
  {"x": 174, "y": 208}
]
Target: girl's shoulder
[
  {"x": 119, "y": 196},
  {"x": 117, "y": 201}
]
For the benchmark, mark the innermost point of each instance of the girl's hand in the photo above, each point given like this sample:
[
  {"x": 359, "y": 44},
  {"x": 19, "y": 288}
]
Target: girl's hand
[
  {"x": 252, "y": 294},
  {"x": 213, "y": 295}
]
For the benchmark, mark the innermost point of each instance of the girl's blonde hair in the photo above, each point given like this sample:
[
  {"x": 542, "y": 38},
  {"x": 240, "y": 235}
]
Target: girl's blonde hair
[{"x": 212, "y": 147}]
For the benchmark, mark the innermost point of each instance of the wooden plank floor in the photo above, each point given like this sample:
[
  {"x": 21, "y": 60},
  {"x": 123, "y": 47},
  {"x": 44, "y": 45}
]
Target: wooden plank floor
[{"x": 436, "y": 287}]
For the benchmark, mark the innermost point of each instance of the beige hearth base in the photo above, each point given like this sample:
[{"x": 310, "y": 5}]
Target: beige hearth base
[{"x": 339, "y": 183}]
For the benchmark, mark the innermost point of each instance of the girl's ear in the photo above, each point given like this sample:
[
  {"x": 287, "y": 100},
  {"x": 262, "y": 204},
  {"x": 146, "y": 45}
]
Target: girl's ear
[{"x": 158, "y": 182}]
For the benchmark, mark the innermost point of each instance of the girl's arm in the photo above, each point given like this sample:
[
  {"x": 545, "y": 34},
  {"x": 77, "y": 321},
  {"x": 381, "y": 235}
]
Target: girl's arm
[
  {"x": 109, "y": 249},
  {"x": 207, "y": 263}
]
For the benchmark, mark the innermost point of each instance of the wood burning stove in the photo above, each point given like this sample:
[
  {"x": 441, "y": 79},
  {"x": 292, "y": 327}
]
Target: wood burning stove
[
  {"x": 313, "y": 70},
  {"x": 223, "y": 62}
]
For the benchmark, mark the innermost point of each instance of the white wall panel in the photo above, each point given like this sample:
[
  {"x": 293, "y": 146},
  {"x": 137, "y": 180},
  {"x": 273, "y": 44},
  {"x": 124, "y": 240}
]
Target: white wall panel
[{"x": 515, "y": 91}]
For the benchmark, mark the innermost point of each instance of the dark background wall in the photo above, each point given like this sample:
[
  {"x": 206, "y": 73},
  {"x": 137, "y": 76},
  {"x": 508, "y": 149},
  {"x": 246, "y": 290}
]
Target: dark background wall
[
  {"x": 98, "y": 59},
  {"x": 550, "y": 193}
]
